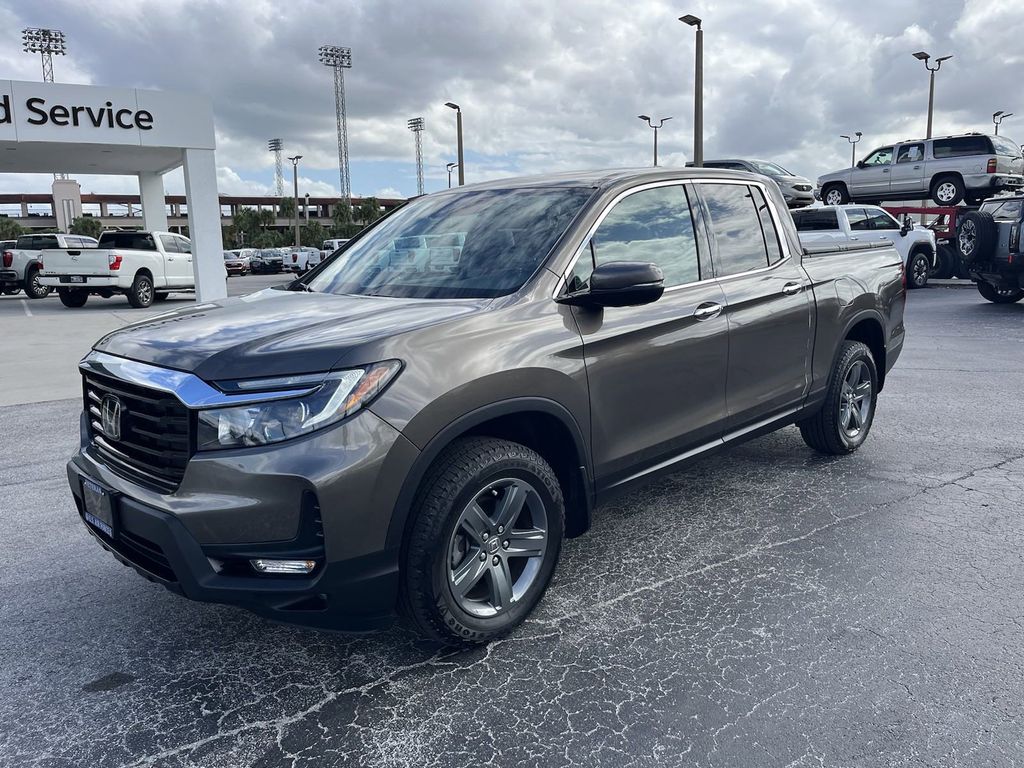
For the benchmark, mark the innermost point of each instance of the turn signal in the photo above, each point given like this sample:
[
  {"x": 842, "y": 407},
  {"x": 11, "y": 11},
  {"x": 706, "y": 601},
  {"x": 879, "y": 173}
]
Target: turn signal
[
  {"x": 991, "y": 165},
  {"x": 114, "y": 260}
]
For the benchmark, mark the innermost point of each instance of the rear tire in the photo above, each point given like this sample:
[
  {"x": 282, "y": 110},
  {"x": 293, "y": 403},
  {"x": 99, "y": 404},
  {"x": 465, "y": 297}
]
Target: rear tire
[
  {"x": 11, "y": 291},
  {"x": 73, "y": 297},
  {"x": 33, "y": 288},
  {"x": 945, "y": 259},
  {"x": 483, "y": 541},
  {"x": 948, "y": 190},
  {"x": 844, "y": 420},
  {"x": 835, "y": 194},
  {"x": 141, "y": 294},
  {"x": 918, "y": 267},
  {"x": 1000, "y": 295}
]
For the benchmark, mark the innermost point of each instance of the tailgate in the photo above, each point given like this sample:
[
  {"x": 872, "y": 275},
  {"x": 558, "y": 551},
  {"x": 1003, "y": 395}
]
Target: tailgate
[{"x": 75, "y": 261}]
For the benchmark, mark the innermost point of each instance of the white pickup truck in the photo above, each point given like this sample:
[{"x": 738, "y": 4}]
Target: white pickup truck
[
  {"x": 144, "y": 266},
  {"x": 20, "y": 266},
  {"x": 867, "y": 223}
]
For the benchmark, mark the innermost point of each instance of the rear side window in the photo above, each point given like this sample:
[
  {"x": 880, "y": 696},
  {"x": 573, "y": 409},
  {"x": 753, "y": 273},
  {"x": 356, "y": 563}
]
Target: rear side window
[
  {"x": 138, "y": 241},
  {"x": 814, "y": 220},
  {"x": 910, "y": 153},
  {"x": 653, "y": 225},
  {"x": 771, "y": 235},
  {"x": 736, "y": 228},
  {"x": 961, "y": 146}
]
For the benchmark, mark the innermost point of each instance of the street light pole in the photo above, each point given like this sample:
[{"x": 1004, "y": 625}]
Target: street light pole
[
  {"x": 998, "y": 117},
  {"x": 698, "y": 90},
  {"x": 925, "y": 56},
  {"x": 450, "y": 167},
  {"x": 853, "y": 148},
  {"x": 307, "y": 208},
  {"x": 655, "y": 127},
  {"x": 458, "y": 129},
  {"x": 295, "y": 181}
]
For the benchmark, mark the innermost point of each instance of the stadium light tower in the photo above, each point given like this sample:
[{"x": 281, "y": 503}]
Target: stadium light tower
[
  {"x": 416, "y": 126},
  {"x": 339, "y": 59},
  {"x": 275, "y": 146},
  {"x": 47, "y": 43}
]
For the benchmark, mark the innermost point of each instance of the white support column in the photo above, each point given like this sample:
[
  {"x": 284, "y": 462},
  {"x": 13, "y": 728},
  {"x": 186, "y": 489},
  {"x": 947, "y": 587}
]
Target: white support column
[
  {"x": 154, "y": 207},
  {"x": 204, "y": 224}
]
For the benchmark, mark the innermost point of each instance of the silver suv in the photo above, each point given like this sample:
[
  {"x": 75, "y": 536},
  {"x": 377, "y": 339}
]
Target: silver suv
[
  {"x": 797, "y": 190},
  {"x": 948, "y": 170}
]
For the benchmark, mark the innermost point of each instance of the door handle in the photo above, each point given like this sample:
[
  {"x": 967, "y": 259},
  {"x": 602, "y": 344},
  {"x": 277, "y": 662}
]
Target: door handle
[
  {"x": 707, "y": 311},
  {"x": 883, "y": 237},
  {"x": 885, "y": 170},
  {"x": 792, "y": 289},
  {"x": 170, "y": 258},
  {"x": 917, "y": 167}
]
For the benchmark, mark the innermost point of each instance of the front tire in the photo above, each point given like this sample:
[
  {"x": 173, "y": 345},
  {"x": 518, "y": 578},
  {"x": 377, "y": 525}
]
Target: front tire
[
  {"x": 1000, "y": 295},
  {"x": 73, "y": 297},
  {"x": 33, "y": 288},
  {"x": 835, "y": 194},
  {"x": 141, "y": 294},
  {"x": 842, "y": 424},
  {"x": 918, "y": 267},
  {"x": 483, "y": 541}
]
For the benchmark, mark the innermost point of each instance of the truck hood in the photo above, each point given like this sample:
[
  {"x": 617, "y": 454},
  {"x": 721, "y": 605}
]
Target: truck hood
[{"x": 276, "y": 333}]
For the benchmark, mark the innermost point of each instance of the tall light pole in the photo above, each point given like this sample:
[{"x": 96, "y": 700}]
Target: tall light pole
[
  {"x": 416, "y": 126},
  {"x": 698, "y": 91},
  {"x": 655, "y": 127},
  {"x": 47, "y": 43},
  {"x": 998, "y": 117},
  {"x": 458, "y": 130},
  {"x": 295, "y": 181},
  {"x": 307, "y": 207},
  {"x": 853, "y": 148},
  {"x": 924, "y": 56},
  {"x": 450, "y": 167},
  {"x": 275, "y": 146},
  {"x": 339, "y": 59}
]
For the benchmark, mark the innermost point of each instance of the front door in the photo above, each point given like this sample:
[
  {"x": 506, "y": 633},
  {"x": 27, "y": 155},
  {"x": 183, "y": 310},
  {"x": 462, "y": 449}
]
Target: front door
[
  {"x": 769, "y": 305},
  {"x": 656, "y": 372},
  {"x": 907, "y": 175},
  {"x": 870, "y": 179},
  {"x": 178, "y": 264}
]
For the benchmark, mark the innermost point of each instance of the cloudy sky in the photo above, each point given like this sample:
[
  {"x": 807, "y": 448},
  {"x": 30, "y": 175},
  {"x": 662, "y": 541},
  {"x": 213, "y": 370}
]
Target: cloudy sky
[{"x": 543, "y": 85}]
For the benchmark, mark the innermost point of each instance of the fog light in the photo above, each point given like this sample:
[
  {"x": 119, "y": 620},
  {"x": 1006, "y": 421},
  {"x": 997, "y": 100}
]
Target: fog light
[{"x": 283, "y": 566}]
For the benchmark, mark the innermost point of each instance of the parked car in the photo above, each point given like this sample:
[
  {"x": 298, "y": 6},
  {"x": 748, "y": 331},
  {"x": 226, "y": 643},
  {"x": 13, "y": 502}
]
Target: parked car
[
  {"x": 298, "y": 259},
  {"x": 267, "y": 261},
  {"x": 144, "y": 266},
  {"x": 5, "y": 246},
  {"x": 398, "y": 432},
  {"x": 841, "y": 223},
  {"x": 797, "y": 190},
  {"x": 22, "y": 262},
  {"x": 948, "y": 170},
  {"x": 234, "y": 264},
  {"x": 989, "y": 242}
]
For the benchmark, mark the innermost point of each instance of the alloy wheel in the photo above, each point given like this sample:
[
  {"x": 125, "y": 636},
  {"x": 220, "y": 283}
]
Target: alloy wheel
[
  {"x": 920, "y": 273},
  {"x": 834, "y": 197},
  {"x": 855, "y": 401},
  {"x": 498, "y": 547},
  {"x": 967, "y": 238},
  {"x": 946, "y": 191}
]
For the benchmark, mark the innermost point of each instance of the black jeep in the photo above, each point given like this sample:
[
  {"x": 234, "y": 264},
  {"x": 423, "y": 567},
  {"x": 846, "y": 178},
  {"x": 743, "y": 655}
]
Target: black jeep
[{"x": 989, "y": 244}]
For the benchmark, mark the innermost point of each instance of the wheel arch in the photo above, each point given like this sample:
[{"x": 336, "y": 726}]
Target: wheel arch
[
  {"x": 539, "y": 423},
  {"x": 867, "y": 328}
]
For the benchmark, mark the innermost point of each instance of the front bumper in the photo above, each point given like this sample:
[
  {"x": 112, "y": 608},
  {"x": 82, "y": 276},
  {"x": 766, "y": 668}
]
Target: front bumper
[{"x": 326, "y": 497}]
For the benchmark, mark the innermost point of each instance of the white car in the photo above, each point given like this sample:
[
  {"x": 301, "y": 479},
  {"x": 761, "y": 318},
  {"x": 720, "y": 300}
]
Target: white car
[
  {"x": 864, "y": 223},
  {"x": 330, "y": 246},
  {"x": 144, "y": 266},
  {"x": 298, "y": 259}
]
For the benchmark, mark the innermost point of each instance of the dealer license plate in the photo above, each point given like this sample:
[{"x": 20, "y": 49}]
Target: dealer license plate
[{"x": 99, "y": 507}]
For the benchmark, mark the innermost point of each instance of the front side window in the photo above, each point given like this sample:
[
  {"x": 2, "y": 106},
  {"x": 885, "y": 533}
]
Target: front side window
[
  {"x": 880, "y": 219},
  {"x": 910, "y": 153},
  {"x": 184, "y": 244},
  {"x": 469, "y": 244},
  {"x": 881, "y": 156},
  {"x": 169, "y": 243},
  {"x": 652, "y": 226},
  {"x": 736, "y": 228}
]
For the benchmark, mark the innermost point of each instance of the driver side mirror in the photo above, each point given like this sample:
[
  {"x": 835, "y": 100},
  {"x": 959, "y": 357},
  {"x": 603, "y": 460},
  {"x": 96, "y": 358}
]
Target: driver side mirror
[
  {"x": 620, "y": 284},
  {"x": 908, "y": 225},
  {"x": 861, "y": 164}
]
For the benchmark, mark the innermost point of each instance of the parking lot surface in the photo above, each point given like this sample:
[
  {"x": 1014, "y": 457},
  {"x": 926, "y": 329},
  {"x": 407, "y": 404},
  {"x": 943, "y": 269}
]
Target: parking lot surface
[{"x": 765, "y": 607}]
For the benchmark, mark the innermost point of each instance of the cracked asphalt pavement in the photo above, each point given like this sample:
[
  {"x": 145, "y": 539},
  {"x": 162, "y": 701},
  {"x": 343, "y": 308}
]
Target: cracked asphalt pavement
[{"x": 764, "y": 607}]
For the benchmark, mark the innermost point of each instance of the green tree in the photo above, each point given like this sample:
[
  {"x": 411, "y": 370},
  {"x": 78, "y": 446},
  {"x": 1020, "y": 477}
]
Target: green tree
[
  {"x": 86, "y": 225},
  {"x": 341, "y": 216},
  {"x": 9, "y": 228},
  {"x": 368, "y": 210},
  {"x": 314, "y": 234},
  {"x": 287, "y": 207}
]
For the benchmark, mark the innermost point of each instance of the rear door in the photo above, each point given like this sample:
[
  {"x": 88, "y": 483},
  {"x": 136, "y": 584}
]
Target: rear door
[
  {"x": 656, "y": 372},
  {"x": 907, "y": 176},
  {"x": 870, "y": 179},
  {"x": 769, "y": 306}
]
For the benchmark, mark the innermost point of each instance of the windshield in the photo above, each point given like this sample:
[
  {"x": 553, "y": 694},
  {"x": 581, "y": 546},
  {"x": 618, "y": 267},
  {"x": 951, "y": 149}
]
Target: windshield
[
  {"x": 769, "y": 169},
  {"x": 473, "y": 244}
]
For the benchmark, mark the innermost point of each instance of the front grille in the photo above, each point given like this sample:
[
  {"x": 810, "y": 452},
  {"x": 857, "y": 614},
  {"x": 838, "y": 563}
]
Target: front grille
[{"x": 155, "y": 443}]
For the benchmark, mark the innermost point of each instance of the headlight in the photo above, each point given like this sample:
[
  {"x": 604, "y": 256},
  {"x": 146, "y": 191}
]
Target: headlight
[{"x": 339, "y": 394}]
